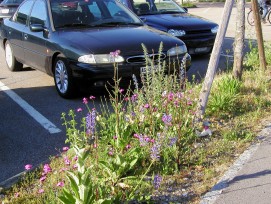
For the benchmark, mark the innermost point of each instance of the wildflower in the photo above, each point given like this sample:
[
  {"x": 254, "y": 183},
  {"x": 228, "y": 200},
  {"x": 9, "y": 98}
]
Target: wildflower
[
  {"x": 142, "y": 140},
  {"x": 157, "y": 181},
  {"x": 167, "y": 119},
  {"x": 75, "y": 158},
  {"x": 121, "y": 90},
  {"x": 115, "y": 53},
  {"x": 128, "y": 146},
  {"x": 92, "y": 97},
  {"x": 43, "y": 178},
  {"x": 115, "y": 137},
  {"x": 47, "y": 168},
  {"x": 134, "y": 97},
  {"x": 126, "y": 98},
  {"x": 85, "y": 100},
  {"x": 28, "y": 167},
  {"x": 41, "y": 191},
  {"x": 75, "y": 166},
  {"x": 95, "y": 145},
  {"x": 155, "y": 151},
  {"x": 170, "y": 96},
  {"x": 110, "y": 152},
  {"x": 172, "y": 141},
  {"x": 65, "y": 149},
  {"x": 189, "y": 103},
  {"x": 136, "y": 136},
  {"x": 146, "y": 106},
  {"x": 60, "y": 184},
  {"x": 63, "y": 169},
  {"x": 16, "y": 195},
  {"x": 79, "y": 110},
  {"x": 91, "y": 122},
  {"x": 67, "y": 161},
  {"x": 164, "y": 94}
]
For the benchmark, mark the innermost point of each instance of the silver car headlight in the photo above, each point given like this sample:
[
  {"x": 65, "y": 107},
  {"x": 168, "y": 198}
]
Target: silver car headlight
[
  {"x": 100, "y": 59},
  {"x": 214, "y": 30},
  {"x": 178, "y": 50},
  {"x": 176, "y": 33}
]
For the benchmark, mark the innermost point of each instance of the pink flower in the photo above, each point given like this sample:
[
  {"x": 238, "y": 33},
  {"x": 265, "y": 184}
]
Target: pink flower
[
  {"x": 121, "y": 90},
  {"x": 146, "y": 106},
  {"x": 75, "y": 166},
  {"x": 41, "y": 191},
  {"x": 60, "y": 184},
  {"x": 28, "y": 167},
  {"x": 16, "y": 195},
  {"x": 95, "y": 145},
  {"x": 67, "y": 161},
  {"x": 75, "y": 158},
  {"x": 128, "y": 146},
  {"x": 92, "y": 97},
  {"x": 63, "y": 169},
  {"x": 43, "y": 178},
  {"x": 65, "y": 149},
  {"x": 110, "y": 153},
  {"x": 85, "y": 100},
  {"x": 115, "y": 137},
  {"x": 47, "y": 168},
  {"x": 79, "y": 109},
  {"x": 136, "y": 136},
  {"x": 152, "y": 140},
  {"x": 126, "y": 99}
]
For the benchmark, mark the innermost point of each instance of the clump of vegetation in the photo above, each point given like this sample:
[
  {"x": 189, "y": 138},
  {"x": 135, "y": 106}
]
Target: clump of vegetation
[{"x": 141, "y": 143}]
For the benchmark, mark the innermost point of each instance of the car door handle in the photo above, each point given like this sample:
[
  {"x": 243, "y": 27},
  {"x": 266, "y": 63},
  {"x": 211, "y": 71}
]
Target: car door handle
[{"x": 25, "y": 36}]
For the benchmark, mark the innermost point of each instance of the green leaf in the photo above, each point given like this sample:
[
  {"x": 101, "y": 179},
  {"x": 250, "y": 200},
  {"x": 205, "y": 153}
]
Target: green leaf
[{"x": 73, "y": 185}]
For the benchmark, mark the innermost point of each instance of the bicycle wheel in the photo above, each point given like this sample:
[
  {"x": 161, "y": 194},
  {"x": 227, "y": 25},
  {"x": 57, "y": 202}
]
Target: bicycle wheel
[
  {"x": 250, "y": 18},
  {"x": 269, "y": 16}
]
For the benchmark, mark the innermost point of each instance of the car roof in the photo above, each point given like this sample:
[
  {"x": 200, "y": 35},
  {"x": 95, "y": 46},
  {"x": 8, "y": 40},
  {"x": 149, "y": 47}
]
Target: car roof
[{"x": 12, "y": 2}]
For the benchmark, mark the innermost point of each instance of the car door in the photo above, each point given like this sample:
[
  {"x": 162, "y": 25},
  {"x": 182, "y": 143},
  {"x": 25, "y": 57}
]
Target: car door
[
  {"x": 35, "y": 42},
  {"x": 16, "y": 28}
]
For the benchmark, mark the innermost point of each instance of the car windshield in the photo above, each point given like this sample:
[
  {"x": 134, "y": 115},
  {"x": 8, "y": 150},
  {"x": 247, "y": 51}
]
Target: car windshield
[
  {"x": 91, "y": 13},
  {"x": 11, "y": 1},
  {"x": 150, "y": 7}
]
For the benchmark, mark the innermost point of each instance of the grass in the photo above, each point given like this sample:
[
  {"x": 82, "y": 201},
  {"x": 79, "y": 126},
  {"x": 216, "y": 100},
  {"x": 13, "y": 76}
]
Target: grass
[{"x": 233, "y": 110}]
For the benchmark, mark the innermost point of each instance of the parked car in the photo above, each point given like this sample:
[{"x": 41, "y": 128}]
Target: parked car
[
  {"x": 72, "y": 41},
  {"x": 8, "y": 8},
  {"x": 168, "y": 16}
]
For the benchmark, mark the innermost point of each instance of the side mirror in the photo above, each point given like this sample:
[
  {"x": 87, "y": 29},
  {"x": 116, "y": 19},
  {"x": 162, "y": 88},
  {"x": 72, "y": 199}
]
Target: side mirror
[
  {"x": 186, "y": 9},
  {"x": 36, "y": 27}
]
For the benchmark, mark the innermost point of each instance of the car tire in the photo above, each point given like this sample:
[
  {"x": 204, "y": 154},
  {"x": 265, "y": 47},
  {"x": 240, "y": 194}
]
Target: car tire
[
  {"x": 11, "y": 62},
  {"x": 63, "y": 78}
]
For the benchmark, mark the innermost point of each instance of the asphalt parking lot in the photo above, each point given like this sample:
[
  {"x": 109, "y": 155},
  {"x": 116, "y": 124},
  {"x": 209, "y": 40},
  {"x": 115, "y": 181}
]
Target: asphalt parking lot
[{"x": 30, "y": 112}]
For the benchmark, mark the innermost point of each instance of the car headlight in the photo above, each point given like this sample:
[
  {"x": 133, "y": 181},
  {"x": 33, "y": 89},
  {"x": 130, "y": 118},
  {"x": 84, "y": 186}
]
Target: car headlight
[
  {"x": 214, "y": 30},
  {"x": 176, "y": 33},
  {"x": 178, "y": 50},
  {"x": 100, "y": 59}
]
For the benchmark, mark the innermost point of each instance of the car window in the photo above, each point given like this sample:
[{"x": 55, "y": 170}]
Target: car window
[
  {"x": 38, "y": 14},
  {"x": 67, "y": 13},
  {"x": 23, "y": 12},
  {"x": 12, "y": 1}
]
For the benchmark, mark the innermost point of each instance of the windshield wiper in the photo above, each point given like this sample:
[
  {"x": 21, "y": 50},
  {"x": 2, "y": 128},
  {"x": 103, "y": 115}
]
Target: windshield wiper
[
  {"x": 73, "y": 25},
  {"x": 170, "y": 12},
  {"x": 115, "y": 23}
]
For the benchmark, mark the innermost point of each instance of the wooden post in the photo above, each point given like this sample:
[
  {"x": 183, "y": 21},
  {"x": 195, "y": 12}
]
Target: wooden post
[
  {"x": 214, "y": 59},
  {"x": 259, "y": 34}
]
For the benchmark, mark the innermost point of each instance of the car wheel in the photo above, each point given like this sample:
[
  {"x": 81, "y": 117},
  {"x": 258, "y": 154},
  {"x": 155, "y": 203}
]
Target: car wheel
[
  {"x": 11, "y": 62},
  {"x": 64, "y": 82}
]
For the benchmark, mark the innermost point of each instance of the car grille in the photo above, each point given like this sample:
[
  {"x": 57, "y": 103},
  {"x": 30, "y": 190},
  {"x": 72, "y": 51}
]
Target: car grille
[
  {"x": 192, "y": 32},
  {"x": 140, "y": 59}
]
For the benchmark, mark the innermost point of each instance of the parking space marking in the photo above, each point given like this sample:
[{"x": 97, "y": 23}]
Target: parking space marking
[{"x": 30, "y": 110}]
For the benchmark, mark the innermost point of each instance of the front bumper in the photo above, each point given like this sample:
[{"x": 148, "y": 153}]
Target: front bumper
[{"x": 100, "y": 75}]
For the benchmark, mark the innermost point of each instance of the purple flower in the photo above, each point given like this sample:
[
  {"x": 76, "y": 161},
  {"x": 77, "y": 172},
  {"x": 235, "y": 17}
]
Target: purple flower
[
  {"x": 157, "y": 181},
  {"x": 134, "y": 97},
  {"x": 92, "y": 97},
  {"x": 121, "y": 90},
  {"x": 75, "y": 158},
  {"x": 170, "y": 96},
  {"x": 28, "y": 166},
  {"x": 167, "y": 119},
  {"x": 79, "y": 110},
  {"x": 128, "y": 146},
  {"x": 65, "y": 149},
  {"x": 155, "y": 151},
  {"x": 146, "y": 106},
  {"x": 67, "y": 161},
  {"x": 85, "y": 100},
  {"x": 43, "y": 178},
  {"x": 60, "y": 184},
  {"x": 47, "y": 168},
  {"x": 91, "y": 122},
  {"x": 172, "y": 141},
  {"x": 41, "y": 191}
]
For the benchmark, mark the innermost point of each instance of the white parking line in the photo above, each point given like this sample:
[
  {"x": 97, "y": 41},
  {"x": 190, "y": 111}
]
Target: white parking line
[{"x": 30, "y": 110}]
